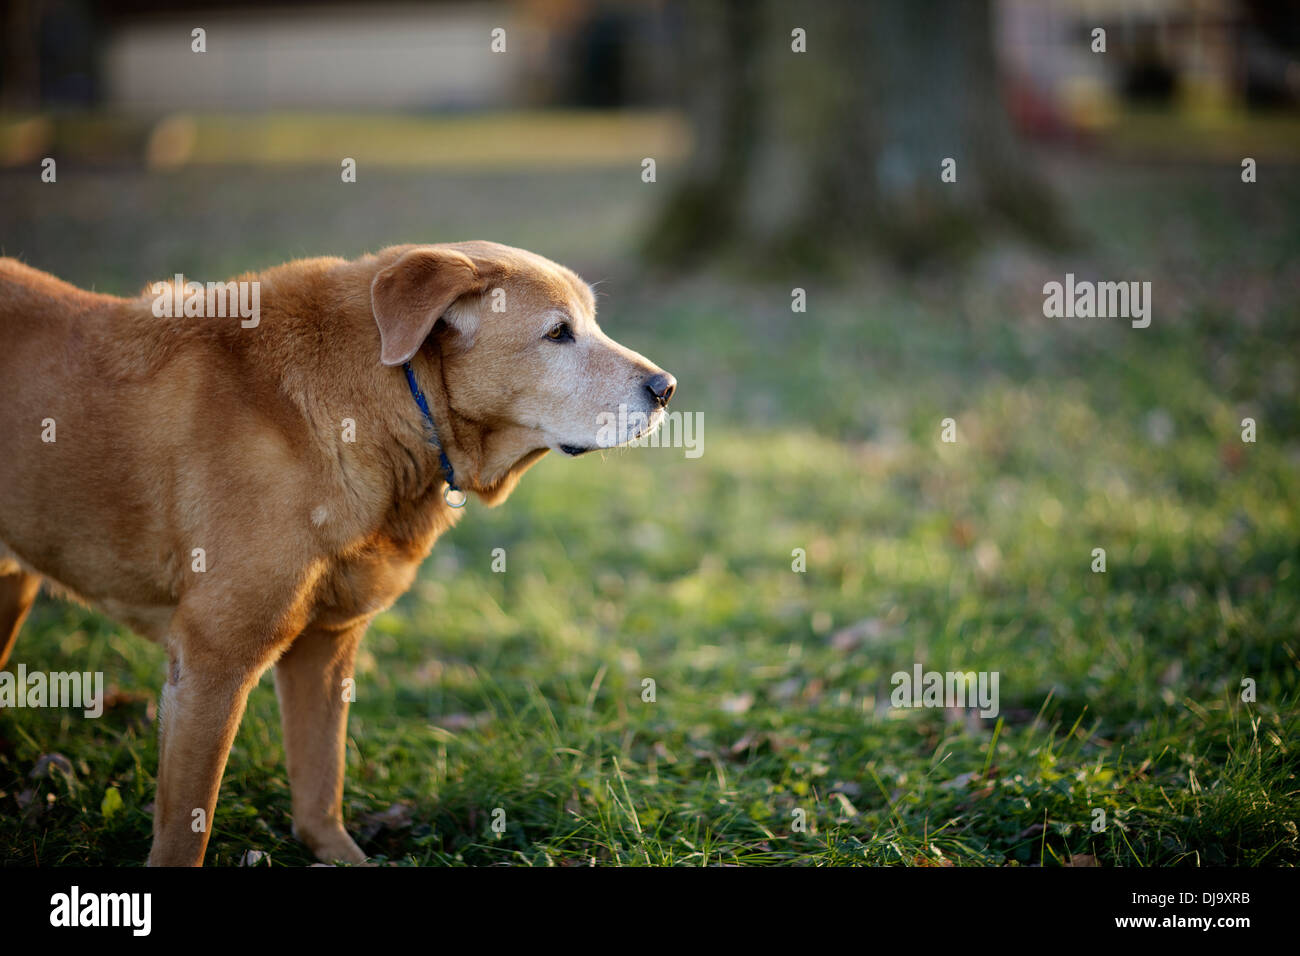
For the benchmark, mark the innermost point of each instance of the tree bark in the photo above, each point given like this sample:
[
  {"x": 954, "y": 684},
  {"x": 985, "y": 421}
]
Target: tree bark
[{"x": 816, "y": 158}]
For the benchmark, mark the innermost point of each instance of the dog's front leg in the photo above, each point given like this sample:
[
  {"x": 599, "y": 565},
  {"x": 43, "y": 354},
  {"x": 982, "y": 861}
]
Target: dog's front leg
[
  {"x": 313, "y": 682},
  {"x": 202, "y": 703}
]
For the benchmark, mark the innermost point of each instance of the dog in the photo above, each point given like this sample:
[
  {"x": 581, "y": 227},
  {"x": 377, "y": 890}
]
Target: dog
[{"x": 252, "y": 492}]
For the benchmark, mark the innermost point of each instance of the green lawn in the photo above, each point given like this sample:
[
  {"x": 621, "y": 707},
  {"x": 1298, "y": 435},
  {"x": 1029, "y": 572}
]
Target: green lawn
[{"x": 522, "y": 690}]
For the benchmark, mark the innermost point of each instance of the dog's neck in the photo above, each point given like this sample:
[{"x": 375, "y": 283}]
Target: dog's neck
[
  {"x": 453, "y": 495},
  {"x": 486, "y": 460}
]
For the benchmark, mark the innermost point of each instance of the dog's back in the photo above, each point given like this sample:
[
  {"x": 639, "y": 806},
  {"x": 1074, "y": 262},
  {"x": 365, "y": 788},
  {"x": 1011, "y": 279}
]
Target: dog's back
[{"x": 61, "y": 458}]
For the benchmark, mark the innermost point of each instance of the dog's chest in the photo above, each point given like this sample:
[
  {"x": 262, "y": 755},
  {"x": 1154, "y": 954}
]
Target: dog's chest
[
  {"x": 373, "y": 569},
  {"x": 367, "y": 579}
]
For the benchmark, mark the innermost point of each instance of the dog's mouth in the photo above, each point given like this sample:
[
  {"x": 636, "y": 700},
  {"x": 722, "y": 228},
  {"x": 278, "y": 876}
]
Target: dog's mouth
[
  {"x": 653, "y": 421},
  {"x": 647, "y": 424}
]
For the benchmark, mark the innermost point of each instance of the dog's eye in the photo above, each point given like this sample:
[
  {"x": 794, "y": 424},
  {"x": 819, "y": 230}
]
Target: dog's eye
[{"x": 560, "y": 332}]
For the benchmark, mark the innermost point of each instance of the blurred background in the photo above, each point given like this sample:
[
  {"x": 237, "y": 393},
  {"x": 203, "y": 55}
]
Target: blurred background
[
  {"x": 795, "y": 147},
  {"x": 810, "y": 156}
]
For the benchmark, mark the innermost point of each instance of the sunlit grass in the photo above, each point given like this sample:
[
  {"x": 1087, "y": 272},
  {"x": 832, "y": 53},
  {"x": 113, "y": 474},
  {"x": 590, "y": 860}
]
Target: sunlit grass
[{"x": 523, "y": 691}]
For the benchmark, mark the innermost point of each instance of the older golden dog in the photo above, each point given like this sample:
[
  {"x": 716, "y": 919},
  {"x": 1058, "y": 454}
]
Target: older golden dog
[{"x": 250, "y": 493}]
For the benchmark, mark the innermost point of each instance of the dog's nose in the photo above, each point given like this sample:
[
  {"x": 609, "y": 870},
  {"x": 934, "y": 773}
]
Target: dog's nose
[{"x": 661, "y": 387}]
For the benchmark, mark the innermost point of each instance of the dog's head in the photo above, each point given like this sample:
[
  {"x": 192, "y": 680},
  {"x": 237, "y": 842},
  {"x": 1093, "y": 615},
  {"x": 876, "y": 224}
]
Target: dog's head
[{"x": 521, "y": 353}]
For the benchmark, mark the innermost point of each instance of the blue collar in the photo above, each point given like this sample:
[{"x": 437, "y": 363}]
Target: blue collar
[{"x": 454, "y": 497}]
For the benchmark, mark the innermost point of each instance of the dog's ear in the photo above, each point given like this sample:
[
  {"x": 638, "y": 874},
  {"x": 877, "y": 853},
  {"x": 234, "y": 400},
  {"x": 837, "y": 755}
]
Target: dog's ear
[{"x": 409, "y": 296}]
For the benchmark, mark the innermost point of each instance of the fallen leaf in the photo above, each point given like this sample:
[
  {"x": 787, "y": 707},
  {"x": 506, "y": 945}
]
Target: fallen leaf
[
  {"x": 1033, "y": 830},
  {"x": 737, "y": 703},
  {"x": 396, "y": 817},
  {"x": 849, "y": 809},
  {"x": 864, "y": 631},
  {"x": 454, "y": 722},
  {"x": 46, "y": 764},
  {"x": 744, "y": 743},
  {"x": 959, "y": 782}
]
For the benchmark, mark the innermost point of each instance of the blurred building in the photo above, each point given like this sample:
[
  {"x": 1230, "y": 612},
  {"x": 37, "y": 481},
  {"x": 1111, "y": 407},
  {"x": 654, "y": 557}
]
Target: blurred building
[
  {"x": 137, "y": 55},
  {"x": 1198, "y": 56}
]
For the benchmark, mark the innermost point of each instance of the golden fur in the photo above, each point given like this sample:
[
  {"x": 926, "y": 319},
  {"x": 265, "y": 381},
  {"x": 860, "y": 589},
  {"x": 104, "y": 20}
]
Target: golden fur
[{"x": 176, "y": 434}]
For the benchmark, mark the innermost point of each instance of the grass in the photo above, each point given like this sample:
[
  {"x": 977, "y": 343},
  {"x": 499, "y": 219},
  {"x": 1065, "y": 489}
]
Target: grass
[
  {"x": 523, "y": 691},
  {"x": 502, "y": 140}
]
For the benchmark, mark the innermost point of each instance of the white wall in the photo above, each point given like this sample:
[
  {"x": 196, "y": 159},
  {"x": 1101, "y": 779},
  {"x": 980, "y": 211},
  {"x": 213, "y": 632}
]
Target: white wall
[{"x": 368, "y": 56}]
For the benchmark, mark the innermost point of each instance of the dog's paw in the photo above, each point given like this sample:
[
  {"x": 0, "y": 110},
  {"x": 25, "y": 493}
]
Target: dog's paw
[{"x": 331, "y": 844}]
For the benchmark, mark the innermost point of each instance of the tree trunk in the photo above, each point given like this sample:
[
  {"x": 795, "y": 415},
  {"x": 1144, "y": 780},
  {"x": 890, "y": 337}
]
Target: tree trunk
[{"x": 815, "y": 158}]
